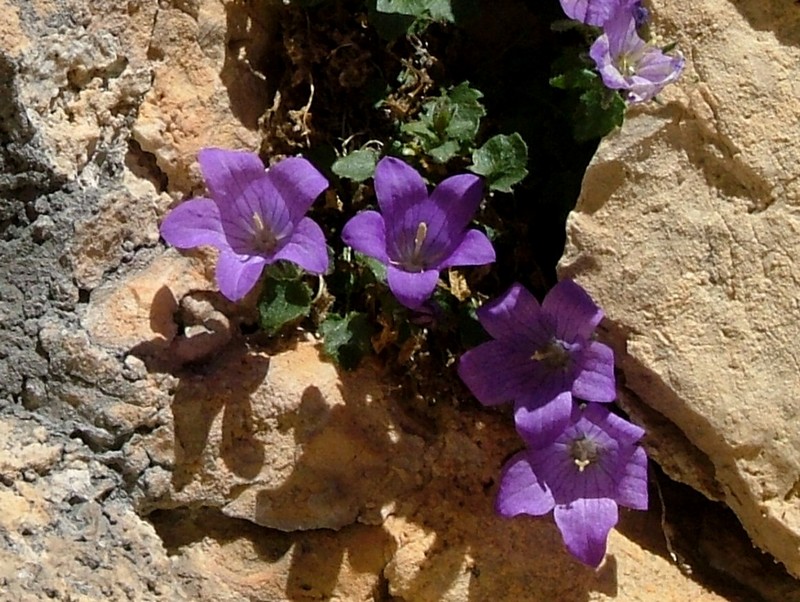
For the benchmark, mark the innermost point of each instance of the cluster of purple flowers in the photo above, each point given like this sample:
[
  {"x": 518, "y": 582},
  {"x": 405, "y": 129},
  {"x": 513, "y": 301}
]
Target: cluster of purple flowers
[
  {"x": 580, "y": 460},
  {"x": 625, "y": 61},
  {"x": 256, "y": 217}
]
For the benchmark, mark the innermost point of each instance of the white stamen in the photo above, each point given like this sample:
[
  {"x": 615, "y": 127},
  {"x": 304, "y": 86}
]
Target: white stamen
[
  {"x": 263, "y": 238},
  {"x": 584, "y": 451},
  {"x": 259, "y": 223},
  {"x": 419, "y": 238}
]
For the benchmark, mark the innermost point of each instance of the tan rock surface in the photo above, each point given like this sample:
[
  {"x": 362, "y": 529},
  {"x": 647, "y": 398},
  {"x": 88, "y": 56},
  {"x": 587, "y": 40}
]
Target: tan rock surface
[
  {"x": 341, "y": 453},
  {"x": 687, "y": 233},
  {"x": 265, "y": 474},
  {"x": 206, "y": 88},
  {"x": 12, "y": 38}
]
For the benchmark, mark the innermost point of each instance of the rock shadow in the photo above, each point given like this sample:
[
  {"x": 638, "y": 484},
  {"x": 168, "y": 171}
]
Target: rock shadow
[
  {"x": 248, "y": 46},
  {"x": 267, "y": 562},
  {"x": 204, "y": 391},
  {"x": 371, "y": 460},
  {"x": 781, "y": 17}
]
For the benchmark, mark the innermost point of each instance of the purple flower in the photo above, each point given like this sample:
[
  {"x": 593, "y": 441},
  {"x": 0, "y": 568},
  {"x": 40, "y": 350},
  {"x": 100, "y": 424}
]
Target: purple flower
[
  {"x": 254, "y": 217},
  {"x": 591, "y": 12},
  {"x": 597, "y": 12},
  {"x": 416, "y": 235},
  {"x": 583, "y": 469},
  {"x": 541, "y": 354},
  {"x": 626, "y": 62}
]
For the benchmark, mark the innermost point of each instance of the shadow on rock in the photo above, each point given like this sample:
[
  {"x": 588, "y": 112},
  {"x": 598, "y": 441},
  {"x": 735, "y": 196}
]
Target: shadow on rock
[
  {"x": 225, "y": 384},
  {"x": 429, "y": 482}
]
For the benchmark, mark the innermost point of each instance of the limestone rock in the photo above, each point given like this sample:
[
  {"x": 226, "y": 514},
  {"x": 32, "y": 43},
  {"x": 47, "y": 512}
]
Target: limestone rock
[
  {"x": 265, "y": 565},
  {"x": 151, "y": 450},
  {"x": 207, "y": 89},
  {"x": 687, "y": 233},
  {"x": 285, "y": 442},
  {"x": 67, "y": 529}
]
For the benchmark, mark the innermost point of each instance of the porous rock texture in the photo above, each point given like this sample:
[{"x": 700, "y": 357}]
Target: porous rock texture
[
  {"x": 687, "y": 232},
  {"x": 150, "y": 450}
]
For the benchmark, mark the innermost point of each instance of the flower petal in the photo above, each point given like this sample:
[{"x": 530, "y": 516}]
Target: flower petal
[
  {"x": 584, "y": 525},
  {"x": 520, "y": 491},
  {"x": 403, "y": 231},
  {"x": 237, "y": 274},
  {"x": 474, "y": 249},
  {"x": 497, "y": 372},
  {"x": 228, "y": 172},
  {"x": 595, "y": 377},
  {"x": 513, "y": 316},
  {"x": 655, "y": 71},
  {"x": 397, "y": 185},
  {"x": 540, "y": 426},
  {"x": 458, "y": 197},
  {"x": 194, "y": 223},
  {"x": 617, "y": 428},
  {"x": 412, "y": 289},
  {"x": 549, "y": 384},
  {"x": 623, "y": 38},
  {"x": 571, "y": 311},
  {"x": 306, "y": 247},
  {"x": 591, "y": 12},
  {"x": 591, "y": 427},
  {"x": 262, "y": 198},
  {"x": 299, "y": 184},
  {"x": 632, "y": 486},
  {"x": 600, "y": 52},
  {"x": 366, "y": 233}
]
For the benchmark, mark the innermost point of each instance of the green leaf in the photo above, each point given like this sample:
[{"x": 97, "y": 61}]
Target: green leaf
[
  {"x": 346, "y": 339},
  {"x": 580, "y": 78},
  {"x": 375, "y": 267},
  {"x": 444, "y": 152},
  {"x": 501, "y": 161},
  {"x": 435, "y": 10},
  {"x": 389, "y": 26},
  {"x": 466, "y": 112},
  {"x": 598, "y": 112},
  {"x": 357, "y": 166},
  {"x": 421, "y": 130},
  {"x": 283, "y": 270},
  {"x": 448, "y": 124},
  {"x": 595, "y": 109},
  {"x": 282, "y": 302}
]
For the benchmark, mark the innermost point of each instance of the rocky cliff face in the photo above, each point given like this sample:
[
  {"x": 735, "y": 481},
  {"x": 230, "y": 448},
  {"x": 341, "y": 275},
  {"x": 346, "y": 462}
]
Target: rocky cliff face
[
  {"x": 147, "y": 452},
  {"x": 701, "y": 284}
]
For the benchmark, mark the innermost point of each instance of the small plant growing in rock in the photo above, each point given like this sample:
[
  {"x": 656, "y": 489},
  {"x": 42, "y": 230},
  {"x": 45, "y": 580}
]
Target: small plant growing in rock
[
  {"x": 254, "y": 217},
  {"x": 580, "y": 459},
  {"x": 389, "y": 282},
  {"x": 418, "y": 235},
  {"x": 621, "y": 66}
]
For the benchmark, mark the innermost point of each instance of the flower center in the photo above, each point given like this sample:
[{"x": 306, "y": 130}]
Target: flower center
[
  {"x": 554, "y": 354},
  {"x": 419, "y": 237},
  {"x": 264, "y": 240},
  {"x": 584, "y": 451},
  {"x": 415, "y": 261},
  {"x": 627, "y": 65}
]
